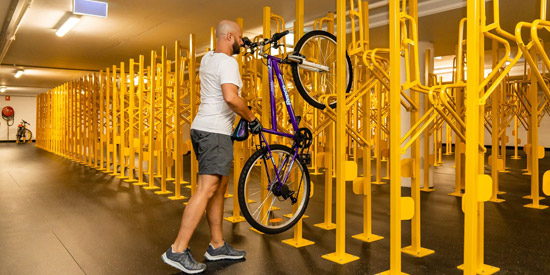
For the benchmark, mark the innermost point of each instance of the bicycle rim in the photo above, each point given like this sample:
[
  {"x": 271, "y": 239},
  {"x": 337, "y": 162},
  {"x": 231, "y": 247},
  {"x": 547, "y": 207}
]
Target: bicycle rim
[
  {"x": 266, "y": 209},
  {"x": 319, "y": 47}
]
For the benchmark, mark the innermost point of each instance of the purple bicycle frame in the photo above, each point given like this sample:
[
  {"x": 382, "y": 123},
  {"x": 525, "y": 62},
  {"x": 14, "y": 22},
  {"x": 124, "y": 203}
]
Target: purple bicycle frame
[{"x": 273, "y": 63}]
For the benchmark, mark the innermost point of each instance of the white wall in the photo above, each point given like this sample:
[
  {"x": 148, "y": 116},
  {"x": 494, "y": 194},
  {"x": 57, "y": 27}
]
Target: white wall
[{"x": 25, "y": 108}]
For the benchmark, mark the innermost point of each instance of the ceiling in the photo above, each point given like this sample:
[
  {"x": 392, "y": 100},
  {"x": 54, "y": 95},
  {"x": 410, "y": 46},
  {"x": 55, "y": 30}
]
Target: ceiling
[{"x": 135, "y": 27}]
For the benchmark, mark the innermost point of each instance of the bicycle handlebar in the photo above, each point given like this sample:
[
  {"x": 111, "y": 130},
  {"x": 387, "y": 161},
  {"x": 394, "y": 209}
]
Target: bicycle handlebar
[{"x": 273, "y": 40}]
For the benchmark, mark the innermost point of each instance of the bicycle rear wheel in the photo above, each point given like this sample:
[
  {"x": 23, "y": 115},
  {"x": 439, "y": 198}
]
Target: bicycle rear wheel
[
  {"x": 266, "y": 206},
  {"x": 318, "y": 47}
]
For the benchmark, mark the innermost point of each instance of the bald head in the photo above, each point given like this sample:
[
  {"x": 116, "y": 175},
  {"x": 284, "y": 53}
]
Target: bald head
[
  {"x": 228, "y": 37},
  {"x": 225, "y": 26}
]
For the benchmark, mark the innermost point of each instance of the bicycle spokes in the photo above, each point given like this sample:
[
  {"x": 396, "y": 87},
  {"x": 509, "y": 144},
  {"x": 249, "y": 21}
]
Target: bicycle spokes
[{"x": 274, "y": 190}]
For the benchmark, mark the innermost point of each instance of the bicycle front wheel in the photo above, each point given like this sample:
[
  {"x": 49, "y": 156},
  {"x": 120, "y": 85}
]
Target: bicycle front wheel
[
  {"x": 268, "y": 206},
  {"x": 318, "y": 47},
  {"x": 27, "y": 135}
]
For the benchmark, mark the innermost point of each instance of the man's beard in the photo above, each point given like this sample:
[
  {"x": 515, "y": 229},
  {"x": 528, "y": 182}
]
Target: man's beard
[{"x": 236, "y": 47}]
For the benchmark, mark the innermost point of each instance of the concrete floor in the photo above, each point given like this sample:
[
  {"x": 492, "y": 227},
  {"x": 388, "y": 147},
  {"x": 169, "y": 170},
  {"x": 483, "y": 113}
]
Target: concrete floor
[{"x": 59, "y": 217}]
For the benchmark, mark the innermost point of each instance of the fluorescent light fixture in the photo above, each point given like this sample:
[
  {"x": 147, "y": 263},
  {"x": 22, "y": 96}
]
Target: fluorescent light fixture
[
  {"x": 438, "y": 57},
  {"x": 3, "y": 89},
  {"x": 90, "y": 7},
  {"x": 507, "y": 63},
  {"x": 67, "y": 26},
  {"x": 19, "y": 73}
]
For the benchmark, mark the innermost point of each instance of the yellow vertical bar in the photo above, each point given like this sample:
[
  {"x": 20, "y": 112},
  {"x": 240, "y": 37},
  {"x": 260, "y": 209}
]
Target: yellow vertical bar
[
  {"x": 395, "y": 136},
  {"x": 378, "y": 134},
  {"x": 366, "y": 104},
  {"x": 415, "y": 249},
  {"x": 297, "y": 240},
  {"x": 152, "y": 80},
  {"x": 426, "y": 162},
  {"x": 238, "y": 154},
  {"x": 178, "y": 134},
  {"x": 108, "y": 122},
  {"x": 340, "y": 256},
  {"x": 193, "y": 93},
  {"x": 115, "y": 122},
  {"x": 534, "y": 135},
  {"x": 122, "y": 122},
  {"x": 495, "y": 129},
  {"x": 327, "y": 223},
  {"x": 212, "y": 38},
  {"x": 472, "y": 138},
  {"x": 131, "y": 122},
  {"x": 516, "y": 156},
  {"x": 101, "y": 125},
  {"x": 95, "y": 118},
  {"x": 163, "y": 154},
  {"x": 141, "y": 109}
]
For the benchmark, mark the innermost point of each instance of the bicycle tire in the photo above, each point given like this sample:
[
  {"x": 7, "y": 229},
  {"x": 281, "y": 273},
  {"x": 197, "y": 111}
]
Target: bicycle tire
[
  {"x": 27, "y": 135},
  {"x": 250, "y": 179},
  {"x": 300, "y": 84}
]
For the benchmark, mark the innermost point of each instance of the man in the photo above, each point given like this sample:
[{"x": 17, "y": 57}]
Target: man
[{"x": 210, "y": 135}]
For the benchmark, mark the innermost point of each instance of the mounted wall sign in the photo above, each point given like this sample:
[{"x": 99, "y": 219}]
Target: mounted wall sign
[{"x": 90, "y": 7}]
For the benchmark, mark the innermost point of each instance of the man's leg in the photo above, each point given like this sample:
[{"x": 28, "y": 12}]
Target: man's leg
[
  {"x": 214, "y": 213},
  {"x": 207, "y": 186}
]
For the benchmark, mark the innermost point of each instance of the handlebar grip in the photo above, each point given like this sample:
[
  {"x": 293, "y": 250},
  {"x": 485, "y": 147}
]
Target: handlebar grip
[{"x": 279, "y": 35}]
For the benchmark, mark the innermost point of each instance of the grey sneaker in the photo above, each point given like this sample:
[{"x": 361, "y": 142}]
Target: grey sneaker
[
  {"x": 224, "y": 252},
  {"x": 183, "y": 261}
]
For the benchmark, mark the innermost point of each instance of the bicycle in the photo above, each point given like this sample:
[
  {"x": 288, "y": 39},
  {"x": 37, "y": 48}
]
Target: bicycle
[
  {"x": 274, "y": 184},
  {"x": 23, "y": 135}
]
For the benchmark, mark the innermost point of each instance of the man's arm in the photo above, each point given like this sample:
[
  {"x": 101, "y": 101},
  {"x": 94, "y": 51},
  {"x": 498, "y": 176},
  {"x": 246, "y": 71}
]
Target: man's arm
[{"x": 231, "y": 97}]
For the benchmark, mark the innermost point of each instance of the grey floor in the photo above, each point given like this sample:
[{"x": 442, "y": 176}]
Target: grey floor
[{"x": 60, "y": 217}]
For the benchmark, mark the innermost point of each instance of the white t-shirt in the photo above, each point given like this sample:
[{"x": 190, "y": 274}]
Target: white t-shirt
[{"x": 214, "y": 114}]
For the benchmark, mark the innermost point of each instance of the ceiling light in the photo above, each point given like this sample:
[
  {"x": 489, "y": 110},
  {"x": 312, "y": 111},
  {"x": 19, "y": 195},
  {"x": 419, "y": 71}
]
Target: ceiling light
[
  {"x": 67, "y": 26},
  {"x": 3, "y": 89},
  {"x": 438, "y": 57},
  {"x": 19, "y": 73}
]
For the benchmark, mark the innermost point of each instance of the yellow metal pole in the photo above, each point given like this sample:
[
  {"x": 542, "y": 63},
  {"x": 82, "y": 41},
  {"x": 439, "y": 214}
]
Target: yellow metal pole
[
  {"x": 132, "y": 121},
  {"x": 109, "y": 113},
  {"x": 178, "y": 133},
  {"x": 340, "y": 256},
  {"x": 238, "y": 153},
  {"x": 327, "y": 223},
  {"x": 472, "y": 138},
  {"x": 378, "y": 134},
  {"x": 415, "y": 249},
  {"x": 297, "y": 240},
  {"x": 426, "y": 160},
  {"x": 495, "y": 130},
  {"x": 163, "y": 153},
  {"x": 516, "y": 140},
  {"x": 102, "y": 119},
  {"x": 534, "y": 138},
  {"x": 116, "y": 122},
  {"x": 123, "y": 129},
  {"x": 152, "y": 122},
  {"x": 367, "y": 235},
  {"x": 141, "y": 120},
  {"x": 395, "y": 139},
  {"x": 193, "y": 93}
]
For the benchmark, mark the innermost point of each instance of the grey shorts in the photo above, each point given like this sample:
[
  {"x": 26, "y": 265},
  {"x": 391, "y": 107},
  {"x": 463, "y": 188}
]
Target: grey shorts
[{"x": 214, "y": 152}]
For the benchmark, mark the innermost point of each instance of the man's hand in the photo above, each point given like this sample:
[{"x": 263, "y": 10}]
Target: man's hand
[{"x": 255, "y": 126}]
